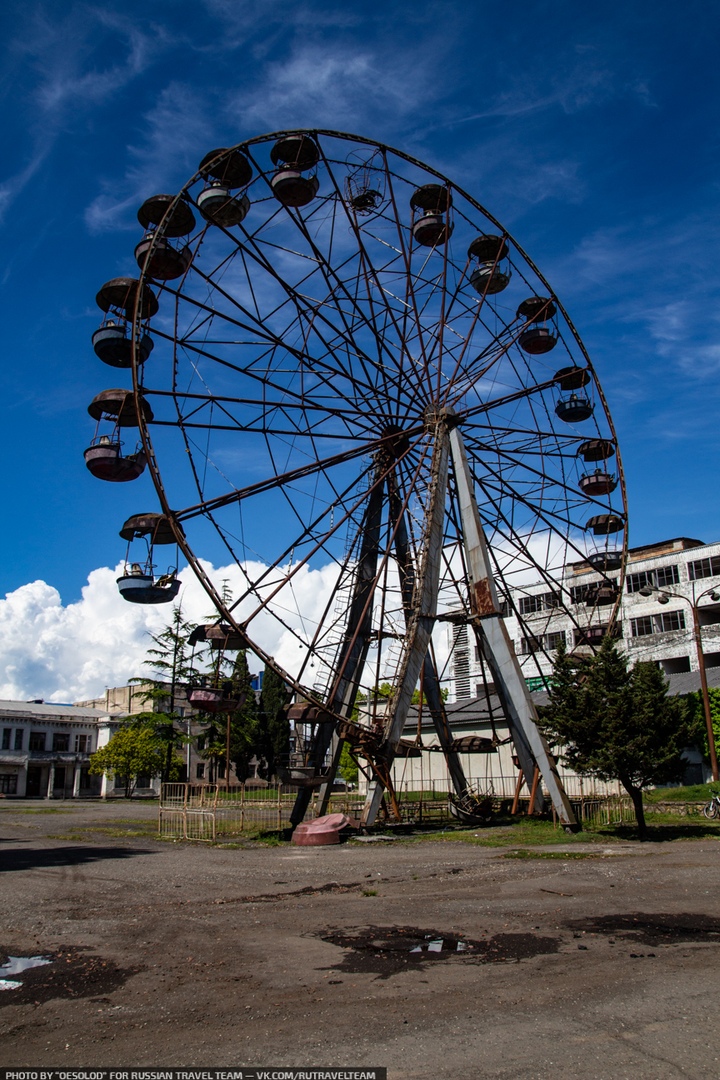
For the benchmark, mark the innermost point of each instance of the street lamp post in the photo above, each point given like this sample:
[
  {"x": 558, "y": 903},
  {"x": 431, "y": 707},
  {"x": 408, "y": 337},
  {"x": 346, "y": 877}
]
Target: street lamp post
[{"x": 663, "y": 597}]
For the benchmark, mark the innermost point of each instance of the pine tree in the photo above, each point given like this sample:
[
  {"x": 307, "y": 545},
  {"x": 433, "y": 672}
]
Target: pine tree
[
  {"x": 616, "y": 724},
  {"x": 273, "y": 724},
  {"x": 171, "y": 659},
  {"x": 244, "y": 719}
]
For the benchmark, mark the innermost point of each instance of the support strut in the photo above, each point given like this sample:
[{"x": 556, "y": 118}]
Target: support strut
[
  {"x": 496, "y": 648},
  {"x": 422, "y": 616}
]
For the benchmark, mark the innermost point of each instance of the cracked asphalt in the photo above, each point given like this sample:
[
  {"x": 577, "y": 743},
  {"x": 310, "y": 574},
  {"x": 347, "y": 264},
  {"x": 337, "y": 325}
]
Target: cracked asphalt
[{"x": 168, "y": 954}]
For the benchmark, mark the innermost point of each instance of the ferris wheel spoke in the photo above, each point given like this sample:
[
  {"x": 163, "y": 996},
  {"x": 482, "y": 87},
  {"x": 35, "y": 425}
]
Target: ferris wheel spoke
[
  {"x": 319, "y": 542},
  {"x": 560, "y": 524},
  {"x": 360, "y": 318},
  {"x": 260, "y": 374},
  {"x": 410, "y": 306},
  {"x": 267, "y": 420},
  {"x": 313, "y": 313},
  {"x": 373, "y": 276},
  {"x": 289, "y": 477}
]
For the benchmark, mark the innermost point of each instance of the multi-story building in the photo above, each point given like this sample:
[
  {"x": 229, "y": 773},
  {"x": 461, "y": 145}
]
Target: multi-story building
[
  {"x": 662, "y": 586},
  {"x": 45, "y": 749}
]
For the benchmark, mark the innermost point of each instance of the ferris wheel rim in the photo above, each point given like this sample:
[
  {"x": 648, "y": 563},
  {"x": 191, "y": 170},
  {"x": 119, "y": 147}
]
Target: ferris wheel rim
[{"x": 176, "y": 517}]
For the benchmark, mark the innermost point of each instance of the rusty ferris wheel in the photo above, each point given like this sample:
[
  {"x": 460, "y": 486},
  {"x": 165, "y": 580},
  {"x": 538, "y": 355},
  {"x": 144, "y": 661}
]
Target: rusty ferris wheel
[{"x": 342, "y": 362}]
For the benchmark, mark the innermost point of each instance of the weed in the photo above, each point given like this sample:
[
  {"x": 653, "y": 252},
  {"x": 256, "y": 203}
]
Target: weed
[{"x": 369, "y": 892}]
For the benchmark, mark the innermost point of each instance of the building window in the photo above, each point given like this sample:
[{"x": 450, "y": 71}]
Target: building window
[
  {"x": 6, "y": 737},
  {"x": 580, "y": 593},
  {"x": 200, "y": 742},
  {"x": 663, "y": 623},
  {"x": 200, "y": 770},
  {"x": 37, "y": 740},
  {"x": 666, "y": 575},
  {"x": 703, "y": 568},
  {"x": 61, "y": 742},
  {"x": 18, "y": 738},
  {"x": 670, "y": 620},
  {"x": 82, "y": 744},
  {"x": 589, "y": 635},
  {"x": 530, "y": 645},
  {"x": 656, "y": 579},
  {"x": 8, "y": 783},
  {"x": 539, "y": 602},
  {"x": 554, "y": 641}
]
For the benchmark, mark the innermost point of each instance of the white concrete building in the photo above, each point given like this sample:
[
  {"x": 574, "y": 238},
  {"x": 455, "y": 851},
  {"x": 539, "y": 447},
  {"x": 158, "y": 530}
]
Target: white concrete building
[
  {"x": 681, "y": 572},
  {"x": 45, "y": 750}
]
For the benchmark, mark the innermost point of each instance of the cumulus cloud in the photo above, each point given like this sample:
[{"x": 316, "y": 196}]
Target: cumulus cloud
[{"x": 73, "y": 652}]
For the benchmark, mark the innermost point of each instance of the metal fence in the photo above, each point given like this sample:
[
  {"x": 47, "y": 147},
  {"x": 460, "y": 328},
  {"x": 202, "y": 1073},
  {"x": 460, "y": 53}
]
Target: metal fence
[{"x": 213, "y": 812}]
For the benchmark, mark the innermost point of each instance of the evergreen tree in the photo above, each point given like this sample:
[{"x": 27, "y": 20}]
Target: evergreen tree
[
  {"x": 616, "y": 724},
  {"x": 273, "y": 725},
  {"x": 244, "y": 719},
  {"x": 698, "y": 723},
  {"x": 171, "y": 660},
  {"x": 348, "y": 766}
]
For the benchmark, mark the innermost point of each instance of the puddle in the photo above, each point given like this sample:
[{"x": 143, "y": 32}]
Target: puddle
[
  {"x": 16, "y": 965},
  {"x": 654, "y": 929},
  {"x": 386, "y": 951},
  {"x": 71, "y": 973}
]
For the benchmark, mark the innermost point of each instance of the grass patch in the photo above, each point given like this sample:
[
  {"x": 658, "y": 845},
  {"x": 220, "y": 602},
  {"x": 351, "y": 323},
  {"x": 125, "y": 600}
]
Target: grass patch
[
  {"x": 694, "y": 793},
  {"x": 76, "y": 837},
  {"x": 262, "y": 837},
  {"x": 122, "y": 833},
  {"x": 40, "y": 810},
  {"x": 528, "y": 832},
  {"x": 524, "y": 853},
  {"x": 90, "y": 832},
  {"x": 369, "y": 892}
]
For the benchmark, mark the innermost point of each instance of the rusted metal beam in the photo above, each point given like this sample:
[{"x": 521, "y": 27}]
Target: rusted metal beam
[
  {"x": 354, "y": 649},
  {"x": 422, "y": 617},
  {"x": 430, "y": 684},
  {"x": 497, "y": 649}
]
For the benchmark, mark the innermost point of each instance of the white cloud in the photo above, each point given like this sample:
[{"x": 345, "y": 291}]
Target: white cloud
[
  {"x": 179, "y": 130},
  {"x": 73, "y": 652},
  {"x": 333, "y": 86},
  {"x": 69, "y": 77}
]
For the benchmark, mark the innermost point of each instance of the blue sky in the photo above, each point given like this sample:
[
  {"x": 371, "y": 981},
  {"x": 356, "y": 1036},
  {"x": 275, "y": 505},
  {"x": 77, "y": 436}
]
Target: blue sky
[{"x": 591, "y": 133}]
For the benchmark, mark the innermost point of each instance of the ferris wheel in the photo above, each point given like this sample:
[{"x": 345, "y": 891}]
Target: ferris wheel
[{"x": 353, "y": 384}]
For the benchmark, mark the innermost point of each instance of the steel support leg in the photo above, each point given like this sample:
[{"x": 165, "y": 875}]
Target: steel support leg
[
  {"x": 354, "y": 650},
  {"x": 422, "y": 619},
  {"x": 430, "y": 681},
  {"x": 496, "y": 647}
]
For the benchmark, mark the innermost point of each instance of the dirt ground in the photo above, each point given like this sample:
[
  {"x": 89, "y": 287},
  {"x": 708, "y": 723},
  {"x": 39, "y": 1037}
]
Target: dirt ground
[{"x": 435, "y": 959}]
